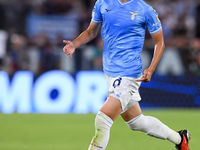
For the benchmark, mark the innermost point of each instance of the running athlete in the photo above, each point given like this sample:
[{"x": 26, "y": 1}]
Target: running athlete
[{"x": 123, "y": 24}]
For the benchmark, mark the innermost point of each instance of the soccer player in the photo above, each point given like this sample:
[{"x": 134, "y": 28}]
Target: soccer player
[{"x": 123, "y": 24}]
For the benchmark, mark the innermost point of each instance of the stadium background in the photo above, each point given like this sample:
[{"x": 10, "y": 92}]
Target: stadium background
[{"x": 37, "y": 77}]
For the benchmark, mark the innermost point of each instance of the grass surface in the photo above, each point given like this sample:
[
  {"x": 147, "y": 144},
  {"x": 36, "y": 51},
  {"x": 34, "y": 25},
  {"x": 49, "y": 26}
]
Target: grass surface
[{"x": 74, "y": 132}]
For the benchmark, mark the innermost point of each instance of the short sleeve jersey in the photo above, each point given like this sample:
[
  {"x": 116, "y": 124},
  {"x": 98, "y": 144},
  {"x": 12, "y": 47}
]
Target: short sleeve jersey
[{"x": 123, "y": 33}]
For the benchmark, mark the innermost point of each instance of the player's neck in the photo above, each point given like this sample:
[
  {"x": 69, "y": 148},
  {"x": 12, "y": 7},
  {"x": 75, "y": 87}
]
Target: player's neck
[{"x": 124, "y": 1}]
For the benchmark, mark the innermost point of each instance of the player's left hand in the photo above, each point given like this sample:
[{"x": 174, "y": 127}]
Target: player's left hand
[{"x": 146, "y": 77}]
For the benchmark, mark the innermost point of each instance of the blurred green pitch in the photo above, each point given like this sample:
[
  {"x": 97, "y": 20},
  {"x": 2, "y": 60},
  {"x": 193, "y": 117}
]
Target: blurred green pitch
[{"x": 74, "y": 132}]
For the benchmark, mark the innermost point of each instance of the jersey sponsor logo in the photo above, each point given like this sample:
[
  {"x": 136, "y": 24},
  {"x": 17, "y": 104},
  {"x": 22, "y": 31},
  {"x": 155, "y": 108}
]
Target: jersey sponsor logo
[
  {"x": 133, "y": 15},
  {"x": 117, "y": 82},
  {"x": 156, "y": 23}
]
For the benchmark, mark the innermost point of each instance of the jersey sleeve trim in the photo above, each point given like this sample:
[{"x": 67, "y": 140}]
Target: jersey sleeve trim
[
  {"x": 156, "y": 30},
  {"x": 96, "y": 21}
]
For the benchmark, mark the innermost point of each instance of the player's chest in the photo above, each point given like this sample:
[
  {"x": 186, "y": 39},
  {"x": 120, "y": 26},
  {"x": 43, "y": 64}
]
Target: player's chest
[{"x": 122, "y": 16}]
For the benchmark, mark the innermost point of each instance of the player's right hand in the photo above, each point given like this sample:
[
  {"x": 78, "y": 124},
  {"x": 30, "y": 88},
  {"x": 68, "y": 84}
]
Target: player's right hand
[
  {"x": 146, "y": 77},
  {"x": 69, "y": 48}
]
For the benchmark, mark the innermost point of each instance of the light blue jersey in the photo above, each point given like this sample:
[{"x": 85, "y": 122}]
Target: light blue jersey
[{"x": 123, "y": 33}]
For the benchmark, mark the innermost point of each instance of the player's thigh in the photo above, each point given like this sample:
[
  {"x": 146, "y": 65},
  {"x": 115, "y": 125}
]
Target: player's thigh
[
  {"x": 112, "y": 107},
  {"x": 132, "y": 112}
]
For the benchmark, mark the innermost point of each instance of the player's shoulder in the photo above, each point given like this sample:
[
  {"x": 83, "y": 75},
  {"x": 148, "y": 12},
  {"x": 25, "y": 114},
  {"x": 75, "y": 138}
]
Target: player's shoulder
[
  {"x": 101, "y": 1},
  {"x": 145, "y": 5},
  {"x": 98, "y": 2},
  {"x": 111, "y": 2}
]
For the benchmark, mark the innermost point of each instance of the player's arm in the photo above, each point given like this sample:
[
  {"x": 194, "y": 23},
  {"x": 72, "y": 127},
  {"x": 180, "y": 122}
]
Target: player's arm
[
  {"x": 158, "y": 50},
  {"x": 82, "y": 39}
]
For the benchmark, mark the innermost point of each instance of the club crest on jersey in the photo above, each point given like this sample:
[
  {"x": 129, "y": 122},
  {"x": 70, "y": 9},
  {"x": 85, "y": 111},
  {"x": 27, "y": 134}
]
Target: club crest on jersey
[{"x": 133, "y": 15}]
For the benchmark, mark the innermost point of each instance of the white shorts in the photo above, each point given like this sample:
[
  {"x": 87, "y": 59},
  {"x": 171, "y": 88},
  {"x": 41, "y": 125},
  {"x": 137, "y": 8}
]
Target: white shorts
[{"x": 124, "y": 89}]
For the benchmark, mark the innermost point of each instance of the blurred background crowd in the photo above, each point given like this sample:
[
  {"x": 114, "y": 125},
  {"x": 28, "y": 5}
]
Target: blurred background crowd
[{"x": 31, "y": 35}]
